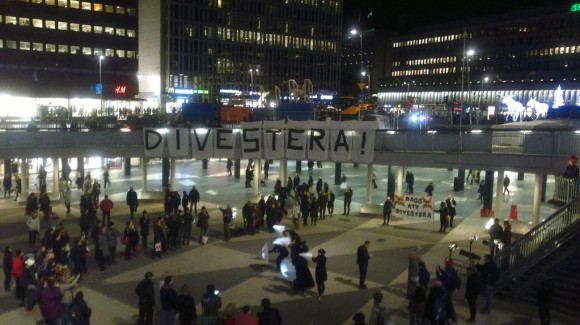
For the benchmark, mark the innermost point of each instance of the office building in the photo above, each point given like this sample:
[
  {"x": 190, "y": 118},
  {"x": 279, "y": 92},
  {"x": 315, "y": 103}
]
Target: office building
[
  {"x": 55, "y": 54},
  {"x": 207, "y": 51}
]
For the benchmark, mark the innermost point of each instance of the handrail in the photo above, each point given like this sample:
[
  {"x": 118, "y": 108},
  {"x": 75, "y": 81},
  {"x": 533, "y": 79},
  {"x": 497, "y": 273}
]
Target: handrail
[
  {"x": 565, "y": 189},
  {"x": 538, "y": 243}
]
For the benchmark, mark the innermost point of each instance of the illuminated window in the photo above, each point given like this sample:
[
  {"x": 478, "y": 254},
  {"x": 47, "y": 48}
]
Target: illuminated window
[
  {"x": 1, "y": 44},
  {"x": 87, "y": 50},
  {"x": 24, "y": 21},
  {"x": 131, "y": 54},
  {"x": 131, "y": 11},
  {"x": 74, "y": 4},
  {"x": 109, "y": 9},
  {"x": 36, "y": 1},
  {"x": 131, "y": 33},
  {"x": 120, "y": 53},
  {"x": 37, "y": 47},
  {"x": 98, "y": 29},
  {"x": 109, "y": 52},
  {"x": 50, "y": 24},
  {"x": 86, "y": 5},
  {"x": 62, "y": 48},
  {"x": 109, "y": 30},
  {"x": 25, "y": 46},
  {"x": 75, "y": 27},
  {"x": 37, "y": 23},
  {"x": 74, "y": 49},
  {"x": 87, "y": 28},
  {"x": 11, "y": 20},
  {"x": 62, "y": 25},
  {"x": 11, "y": 44},
  {"x": 97, "y": 7},
  {"x": 49, "y": 2},
  {"x": 50, "y": 48},
  {"x": 97, "y": 51},
  {"x": 120, "y": 32},
  {"x": 120, "y": 10},
  {"x": 61, "y": 3}
]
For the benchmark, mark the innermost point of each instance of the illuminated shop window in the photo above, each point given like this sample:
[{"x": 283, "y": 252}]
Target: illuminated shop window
[
  {"x": 131, "y": 54},
  {"x": 37, "y": 23},
  {"x": 62, "y": 25},
  {"x": 87, "y": 50},
  {"x": 25, "y": 46},
  {"x": 97, "y": 7},
  {"x": 131, "y": 11},
  {"x": 74, "y": 49},
  {"x": 87, "y": 28},
  {"x": 50, "y": 48},
  {"x": 98, "y": 29},
  {"x": 74, "y": 4},
  {"x": 24, "y": 21},
  {"x": 75, "y": 27},
  {"x": 86, "y": 5},
  {"x": 109, "y": 9},
  {"x": 131, "y": 33},
  {"x": 109, "y": 30},
  {"x": 120, "y": 32},
  {"x": 62, "y": 48},
  {"x": 11, "y": 20},
  {"x": 120, "y": 53},
  {"x": 120, "y": 10},
  {"x": 50, "y": 24},
  {"x": 61, "y": 3}
]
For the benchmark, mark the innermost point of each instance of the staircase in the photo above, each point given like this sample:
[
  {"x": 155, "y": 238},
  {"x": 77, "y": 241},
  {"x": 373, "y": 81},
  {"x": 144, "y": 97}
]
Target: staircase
[{"x": 554, "y": 246}]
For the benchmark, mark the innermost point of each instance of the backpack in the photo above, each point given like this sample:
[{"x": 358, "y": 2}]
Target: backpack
[{"x": 440, "y": 310}]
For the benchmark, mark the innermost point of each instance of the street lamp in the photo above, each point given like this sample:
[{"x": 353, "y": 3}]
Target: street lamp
[
  {"x": 481, "y": 97},
  {"x": 101, "y": 58},
  {"x": 368, "y": 75},
  {"x": 252, "y": 77},
  {"x": 354, "y": 32}
]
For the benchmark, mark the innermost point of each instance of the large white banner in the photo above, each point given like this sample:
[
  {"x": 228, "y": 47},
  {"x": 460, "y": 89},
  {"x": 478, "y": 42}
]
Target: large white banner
[
  {"x": 350, "y": 141},
  {"x": 274, "y": 139},
  {"x": 413, "y": 206}
]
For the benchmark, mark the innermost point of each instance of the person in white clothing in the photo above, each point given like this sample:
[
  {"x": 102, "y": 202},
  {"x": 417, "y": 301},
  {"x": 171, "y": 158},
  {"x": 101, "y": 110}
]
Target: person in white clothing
[{"x": 33, "y": 224}]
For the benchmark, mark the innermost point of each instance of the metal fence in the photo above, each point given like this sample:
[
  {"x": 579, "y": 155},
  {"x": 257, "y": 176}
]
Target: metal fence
[{"x": 565, "y": 189}]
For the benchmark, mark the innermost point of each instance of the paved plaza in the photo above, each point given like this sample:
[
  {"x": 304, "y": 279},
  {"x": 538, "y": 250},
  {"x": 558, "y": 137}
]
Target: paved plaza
[{"x": 242, "y": 277}]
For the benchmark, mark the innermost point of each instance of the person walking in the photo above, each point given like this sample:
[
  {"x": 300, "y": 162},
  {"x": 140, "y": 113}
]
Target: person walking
[
  {"x": 144, "y": 223},
  {"x": 132, "y": 201},
  {"x": 320, "y": 274},
  {"x": 227, "y": 219},
  {"x": 33, "y": 224},
  {"x": 194, "y": 198},
  {"x": 168, "y": 299},
  {"x": 146, "y": 293},
  {"x": 7, "y": 268},
  {"x": 106, "y": 206},
  {"x": 203, "y": 224},
  {"x": 387, "y": 210},
  {"x": 489, "y": 274},
  {"x": 330, "y": 204},
  {"x": 471, "y": 293},
  {"x": 362, "y": 259},
  {"x": 66, "y": 196},
  {"x": 410, "y": 180},
  {"x": 506, "y": 184}
]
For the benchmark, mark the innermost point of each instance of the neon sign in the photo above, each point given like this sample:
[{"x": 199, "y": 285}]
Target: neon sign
[
  {"x": 575, "y": 7},
  {"x": 121, "y": 90}
]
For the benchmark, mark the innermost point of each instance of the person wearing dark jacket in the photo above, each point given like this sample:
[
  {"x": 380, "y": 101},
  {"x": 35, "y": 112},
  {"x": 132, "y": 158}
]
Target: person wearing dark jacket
[
  {"x": 387, "y": 210},
  {"x": 429, "y": 189},
  {"x": 132, "y": 201},
  {"x": 320, "y": 274},
  {"x": 443, "y": 213},
  {"x": 362, "y": 259},
  {"x": 146, "y": 293},
  {"x": 489, "y": 274},
  {"x": 544, "y": 296},
  {"x": 471, "y": 292},
  {"x": 7, "y": 267},
  {"x": 168, "y": 298},
  {"x": 144, "y": 223},
  {"x": 437, "y": 293},
  {"x": 283, "y": 253},
  {"x": 572, "y": 171},
  {"x": 186, "y": 306},
  {"x": 269, "y": 315},
  {"x": 194, "y": 199}
]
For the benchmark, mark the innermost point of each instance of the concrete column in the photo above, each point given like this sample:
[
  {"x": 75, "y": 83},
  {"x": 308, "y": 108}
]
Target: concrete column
[
  {"x": 81, "y": 167},
  {"x": 172, "y": 174},
  {"x": 298, "y": 166},
  {"x": 461, "y": 185},
  {"x": 499, "y": 194},
  {"x": 165, "y": 173},
  {"x": 370, "y": 184},
  {"x": 204, "y": 163},
  {"x": 24, "y": 179},
  {"x": 390, "y": 182},
  {"x": 337, "y": 173},
  {"x": 55, "y": 175},
  {"x": 400, "y": 174},
  {"x": 257, "y": 172},
  {"x": 127, "y": 166},
  {"x": 284, "y": 172},
  {"x": 7, "y": 163},
  {"x": 544, "y": 181},
  {"x": 236, "y": 169},
  {"x": 488, "y": 190},
  {"x": 144, "y": 174},
  {"x": 537, "y": 199},
  {"x": 520, "y": 176}
]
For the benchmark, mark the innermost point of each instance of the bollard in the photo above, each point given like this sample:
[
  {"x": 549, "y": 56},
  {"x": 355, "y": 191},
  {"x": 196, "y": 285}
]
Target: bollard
[{"x": 514, "y": 213}]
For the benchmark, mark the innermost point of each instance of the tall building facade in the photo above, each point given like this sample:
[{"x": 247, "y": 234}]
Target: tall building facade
[
  {"x": 79, "y": 54},
  {"x": 204, "y": 51},
  {"x": 511, "y": 61}
]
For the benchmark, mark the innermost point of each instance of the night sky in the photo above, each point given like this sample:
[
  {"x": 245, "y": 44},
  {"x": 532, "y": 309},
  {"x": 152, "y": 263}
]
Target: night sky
[{"x": 403, "y": 15}]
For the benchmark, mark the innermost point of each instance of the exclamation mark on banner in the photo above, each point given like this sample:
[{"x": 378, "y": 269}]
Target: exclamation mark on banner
[{"x": 363, "y": 142}]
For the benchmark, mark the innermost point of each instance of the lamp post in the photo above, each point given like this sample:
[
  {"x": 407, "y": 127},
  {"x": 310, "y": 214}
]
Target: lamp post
[
  {"x": 368, "y": 75},
  {"x": 354, "y": 32},
  {"x": 101, "y": 58},
  {"x": 252, "y": 78},
  {"x": 481, "y": 98}
]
